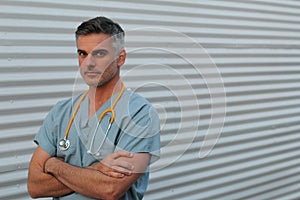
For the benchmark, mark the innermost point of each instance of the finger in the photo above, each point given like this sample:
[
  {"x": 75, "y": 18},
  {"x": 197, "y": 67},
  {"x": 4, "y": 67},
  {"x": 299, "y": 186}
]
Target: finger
[
  {"x": 61, "y": 158},
  {"x": 118, "y": 166},
  {"x": 124, "y": 164},
  {"x": 121, "y": 170},
  {"x": 116, "y": 174},
  {"x": 122, "y": 153}
]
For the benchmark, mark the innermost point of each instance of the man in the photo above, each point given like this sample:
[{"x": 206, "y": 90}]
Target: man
[{"x": 102, "y": 148}]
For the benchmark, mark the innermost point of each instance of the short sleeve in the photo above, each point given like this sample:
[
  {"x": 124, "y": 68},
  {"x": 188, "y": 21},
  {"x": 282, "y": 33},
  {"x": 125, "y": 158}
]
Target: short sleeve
[
  {"x": 45, "y": 137},
  {"x": 142, "y": 131}
]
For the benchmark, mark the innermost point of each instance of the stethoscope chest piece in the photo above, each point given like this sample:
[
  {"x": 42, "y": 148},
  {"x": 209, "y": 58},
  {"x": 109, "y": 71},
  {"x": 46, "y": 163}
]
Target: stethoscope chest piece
[{"x": 64, "y": 144}]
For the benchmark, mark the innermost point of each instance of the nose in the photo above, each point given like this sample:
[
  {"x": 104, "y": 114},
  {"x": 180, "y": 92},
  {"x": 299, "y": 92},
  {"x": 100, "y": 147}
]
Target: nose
[{"x": 88, "y": 61}]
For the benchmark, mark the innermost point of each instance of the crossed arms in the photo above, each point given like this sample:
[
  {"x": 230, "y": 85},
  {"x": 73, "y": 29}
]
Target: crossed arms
[{"x": 108, "y": 179}]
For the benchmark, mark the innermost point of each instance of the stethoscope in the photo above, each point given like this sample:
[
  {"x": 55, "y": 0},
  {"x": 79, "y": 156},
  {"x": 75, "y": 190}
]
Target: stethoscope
[{"x": 64, "y": 143}]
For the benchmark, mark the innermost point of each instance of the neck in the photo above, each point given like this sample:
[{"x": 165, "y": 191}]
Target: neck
[{"x": 99, "y": 95}]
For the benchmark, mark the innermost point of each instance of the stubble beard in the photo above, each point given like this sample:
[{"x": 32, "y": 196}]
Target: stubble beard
[{"x": 104, "y": 78}]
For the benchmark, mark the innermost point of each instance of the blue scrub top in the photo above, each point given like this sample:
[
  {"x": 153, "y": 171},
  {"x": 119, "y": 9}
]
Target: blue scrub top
[{"x": 136, "y": 129}]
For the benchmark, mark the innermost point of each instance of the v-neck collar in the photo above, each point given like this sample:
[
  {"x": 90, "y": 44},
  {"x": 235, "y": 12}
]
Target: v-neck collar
[{"x": 83, "y": 112}]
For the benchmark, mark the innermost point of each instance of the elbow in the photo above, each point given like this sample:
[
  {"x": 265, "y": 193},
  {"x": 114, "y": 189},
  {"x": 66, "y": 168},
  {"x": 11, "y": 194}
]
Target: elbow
[
  {"x": 32, "y": 189},
  {"x": 32, "y": 193},
  {"x": 112, "y": 196},
  {"x": 113, "y": 193}
]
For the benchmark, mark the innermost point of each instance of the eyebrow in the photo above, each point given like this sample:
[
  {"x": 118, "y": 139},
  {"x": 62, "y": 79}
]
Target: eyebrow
[
  {"x": 99, "y": 51},
  {"x": 93, "y": 52}
]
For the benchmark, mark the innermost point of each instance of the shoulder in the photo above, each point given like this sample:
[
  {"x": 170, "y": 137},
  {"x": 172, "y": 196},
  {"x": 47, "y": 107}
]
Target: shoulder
[
  {"x": 61, "y": 105},
  {"x": 135, "y": 100},
  {"x": 136, "y": 107},
  {"x": 64, "y": 105}
]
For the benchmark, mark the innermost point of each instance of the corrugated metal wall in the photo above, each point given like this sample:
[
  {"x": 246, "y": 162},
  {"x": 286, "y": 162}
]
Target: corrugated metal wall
[{"x": 253, "y": 55}]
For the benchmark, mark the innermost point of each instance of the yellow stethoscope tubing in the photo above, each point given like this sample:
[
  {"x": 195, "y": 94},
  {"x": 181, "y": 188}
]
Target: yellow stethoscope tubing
[
  {"x": 74, "y": 114},
  {"x": 111, "y": 110}
]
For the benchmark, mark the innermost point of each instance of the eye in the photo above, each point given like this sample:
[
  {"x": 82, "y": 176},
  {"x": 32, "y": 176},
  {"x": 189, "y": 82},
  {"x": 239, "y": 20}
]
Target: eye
[
  {"x": 81, "y": 53},
  {"x": 99, "y": 53}
]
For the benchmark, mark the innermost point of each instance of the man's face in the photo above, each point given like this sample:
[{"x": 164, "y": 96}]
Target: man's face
[{"x": 97, "y": 58}]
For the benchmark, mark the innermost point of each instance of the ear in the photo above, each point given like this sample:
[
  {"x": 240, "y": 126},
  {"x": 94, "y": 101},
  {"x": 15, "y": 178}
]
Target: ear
[{"x": 121, "y": 58}]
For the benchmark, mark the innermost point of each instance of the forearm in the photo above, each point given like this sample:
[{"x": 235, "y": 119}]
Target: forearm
[
  {"x": 41, "y": 184},
  {"x": 86, "y": 181}
]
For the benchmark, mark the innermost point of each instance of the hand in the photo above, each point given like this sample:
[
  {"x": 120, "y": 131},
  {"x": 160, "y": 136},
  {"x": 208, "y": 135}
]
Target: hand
[
  {"x": 114, "y": 165},
  {"x": 50, "y": 164}
]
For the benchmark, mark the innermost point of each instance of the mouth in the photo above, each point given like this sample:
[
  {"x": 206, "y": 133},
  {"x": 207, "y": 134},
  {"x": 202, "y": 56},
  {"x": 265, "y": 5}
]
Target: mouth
[{"x": 92, "y": 73}]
